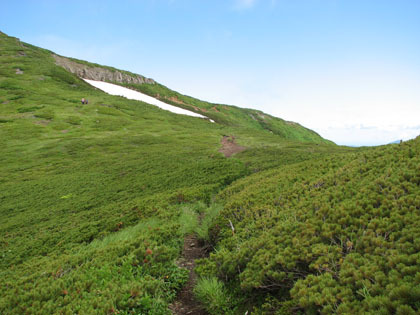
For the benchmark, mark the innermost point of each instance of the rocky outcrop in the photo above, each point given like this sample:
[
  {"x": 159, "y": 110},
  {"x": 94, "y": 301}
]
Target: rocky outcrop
[{"x": 100, "y": 74}]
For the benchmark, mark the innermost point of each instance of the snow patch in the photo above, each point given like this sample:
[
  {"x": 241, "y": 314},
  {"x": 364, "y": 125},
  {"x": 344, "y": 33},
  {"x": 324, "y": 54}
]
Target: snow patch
[{"x": 114, "y": 89}]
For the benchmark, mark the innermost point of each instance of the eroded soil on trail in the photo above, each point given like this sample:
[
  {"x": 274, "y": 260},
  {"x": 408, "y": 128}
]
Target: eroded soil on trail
[
  {"x": 185, "y": 302},
  {"x": 230, "y": 147}
]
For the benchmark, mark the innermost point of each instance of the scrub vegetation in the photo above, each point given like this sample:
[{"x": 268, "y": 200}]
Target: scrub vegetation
[
  {"x": 95, "y": 202},
  {"x": 337, "y": 235}
]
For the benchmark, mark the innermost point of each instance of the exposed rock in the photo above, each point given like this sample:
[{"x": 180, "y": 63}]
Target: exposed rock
[
  {"x": 19, "y": 71},
  {"x": 99, "y": 74}
]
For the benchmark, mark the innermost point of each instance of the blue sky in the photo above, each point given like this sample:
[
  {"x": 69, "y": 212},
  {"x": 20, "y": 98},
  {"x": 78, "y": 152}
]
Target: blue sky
[{"x": 349, "y": 70}]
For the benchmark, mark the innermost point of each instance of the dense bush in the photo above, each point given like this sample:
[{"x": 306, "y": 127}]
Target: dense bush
[
  {"x": 340, "y": 235},
  {"x": 212, "y": 293}
]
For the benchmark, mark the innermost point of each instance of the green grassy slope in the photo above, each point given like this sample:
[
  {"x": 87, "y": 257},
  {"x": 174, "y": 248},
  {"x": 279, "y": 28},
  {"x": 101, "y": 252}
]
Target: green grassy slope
[
  {"x": 222, "y": 114},
  {"x": 338, "y": 235},
  {"x": 73, "y": 174},
  {"x": 233, "y": 116},
  {"x": 95, "y": 201},
  {"x": 91, "y": 196}
]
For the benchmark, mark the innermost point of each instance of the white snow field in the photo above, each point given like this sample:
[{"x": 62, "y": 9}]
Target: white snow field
[{"x": 114, "y": 89}]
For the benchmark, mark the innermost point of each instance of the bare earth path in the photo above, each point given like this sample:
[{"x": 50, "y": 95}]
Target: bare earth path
[
  {"x": 229, "y": 146},
  {"x": 185, "y": 302}
]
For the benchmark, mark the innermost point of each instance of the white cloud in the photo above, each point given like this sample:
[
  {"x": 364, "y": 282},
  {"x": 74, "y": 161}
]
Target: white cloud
[{"x": 359, "y": 135}]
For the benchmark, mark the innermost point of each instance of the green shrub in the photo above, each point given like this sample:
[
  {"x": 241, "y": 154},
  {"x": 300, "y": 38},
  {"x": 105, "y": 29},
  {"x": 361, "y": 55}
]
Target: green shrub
[
  {"x": 61, "y": 74},
  {"x": 209, "y": 215},
  {"x": 29, "y": 109},
  {"x": 188, "y": 220},
  {"x": 45, "y": 114},
  {"x": 213, "y": 295},
  {"x": 73, "y": 120},
  {"x": 337, "y": 235},
  {"x": 10, "y": 84}
]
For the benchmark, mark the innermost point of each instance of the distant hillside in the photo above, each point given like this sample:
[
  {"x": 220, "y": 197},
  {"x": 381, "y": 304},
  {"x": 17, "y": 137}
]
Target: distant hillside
[{"x": 224, "y": 114}]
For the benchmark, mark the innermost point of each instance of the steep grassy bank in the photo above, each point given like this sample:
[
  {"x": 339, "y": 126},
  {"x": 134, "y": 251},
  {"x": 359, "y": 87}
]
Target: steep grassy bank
[{"x": 337, "y": 235}]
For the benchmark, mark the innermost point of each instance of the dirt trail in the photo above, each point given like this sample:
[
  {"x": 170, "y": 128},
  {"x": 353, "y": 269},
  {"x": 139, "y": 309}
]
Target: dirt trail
[
  {"x": 229, "y": 147},
  {"x": 185, "y": 302}
]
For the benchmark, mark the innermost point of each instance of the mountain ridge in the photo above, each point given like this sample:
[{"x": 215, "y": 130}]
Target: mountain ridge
[{"x": 150, "y": 87}]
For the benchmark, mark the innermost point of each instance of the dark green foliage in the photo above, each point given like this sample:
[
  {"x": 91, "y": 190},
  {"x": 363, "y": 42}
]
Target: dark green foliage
[
  {"x": 46, "y": 114},
  {"x": 74, "y": 120},
  {"x": 340, "y": 234},
  {"x": 212, "y": 293},
  {"x": 28, "y": 109}
]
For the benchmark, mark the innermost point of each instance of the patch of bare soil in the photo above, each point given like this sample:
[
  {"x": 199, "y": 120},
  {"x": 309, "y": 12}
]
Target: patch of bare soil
[
  {"x": 185, "y": 302},
  {"x": 178, "y": 101},
  {"x": 230, "y": 147},
  {"x": 198, "y": 109},
  {"x": 175, "y": 100}
]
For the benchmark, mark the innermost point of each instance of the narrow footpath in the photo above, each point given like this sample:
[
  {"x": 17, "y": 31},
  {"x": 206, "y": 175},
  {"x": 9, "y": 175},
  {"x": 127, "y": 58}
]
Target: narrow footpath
[
  {"x": 229, "y": 146},
  {"x": 185, "y": 302}
]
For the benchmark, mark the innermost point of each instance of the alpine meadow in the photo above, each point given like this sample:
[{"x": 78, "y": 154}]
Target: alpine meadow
[{"x": 98, "y": 202}]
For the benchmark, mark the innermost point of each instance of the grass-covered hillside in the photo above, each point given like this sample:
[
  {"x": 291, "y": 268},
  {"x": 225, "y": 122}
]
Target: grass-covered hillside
[
  {"x": 95, "y": 202},
  {"x": 337, "y": 235},
  {"x": 222, "y": 114},
  {"x": 231, "y": 115}
]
